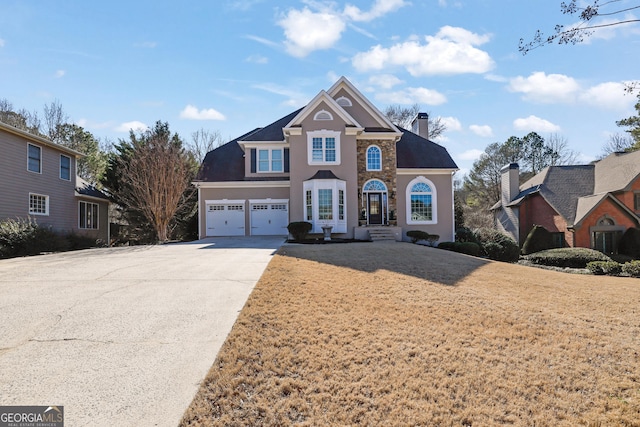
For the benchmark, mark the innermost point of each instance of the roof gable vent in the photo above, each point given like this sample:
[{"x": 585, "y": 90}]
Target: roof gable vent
[{"x": 344, "y": 102}]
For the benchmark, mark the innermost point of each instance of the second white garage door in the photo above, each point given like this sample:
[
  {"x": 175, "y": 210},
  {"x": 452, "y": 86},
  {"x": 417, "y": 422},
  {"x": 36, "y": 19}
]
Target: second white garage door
[{"x": 269, "y": 217}]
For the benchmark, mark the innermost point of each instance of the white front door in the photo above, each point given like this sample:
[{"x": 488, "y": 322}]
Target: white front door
[
  {"x": 225, "y": 219},
  {"x": 269, "y": 218}
]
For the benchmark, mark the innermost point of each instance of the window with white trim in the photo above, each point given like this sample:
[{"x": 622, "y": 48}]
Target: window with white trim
[
  {"x": 270, "y": 160},
  {"x": 34, "y": 158},
  {"x": 421, "y": 202},
  {"x": 38, "y": 204},
  {"x": 322, "y": 115},
  {"x": 325, "y": 204},
  {"x": 323, "y": 147},
  {"x": 88, "y": 216},
  {"x": 374, "y": 158},
  {"x": 65, "y": 167}
]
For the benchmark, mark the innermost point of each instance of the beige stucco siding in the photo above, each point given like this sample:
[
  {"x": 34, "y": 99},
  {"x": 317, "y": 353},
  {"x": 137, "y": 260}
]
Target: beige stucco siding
[
  {"x": 357, "y": 111},
  {"x": 16, "y": 182},
  {"x": 443, "y": 185},
  {"x": 245, "y": 193},
  {"x": 301, "y": 170}
]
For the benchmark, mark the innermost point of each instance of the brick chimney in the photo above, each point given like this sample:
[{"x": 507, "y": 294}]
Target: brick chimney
[
  {"x": 420, "y": 125},
  {"x": 510, "y": 183}
]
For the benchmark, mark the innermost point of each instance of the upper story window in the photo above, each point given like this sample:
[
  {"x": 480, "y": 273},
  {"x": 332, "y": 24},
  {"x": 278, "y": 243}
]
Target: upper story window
[
  {"x": 421, "y": 202},
  {"x": 34, "y": 161},
  {"x": 65, "y": 167},
  {"x": 270, "y": 160},
  {"x": 38, "y": 204},
  {"x": 323, "y": 147},
  {"x": 323, "y": 115},
  {"x": 374, "y": 158}
]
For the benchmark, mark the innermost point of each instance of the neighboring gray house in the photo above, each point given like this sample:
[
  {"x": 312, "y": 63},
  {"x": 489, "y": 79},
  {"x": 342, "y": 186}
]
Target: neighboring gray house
[
  {"x": 39, "y": 182},
  {"x": 338, "y": 162}
]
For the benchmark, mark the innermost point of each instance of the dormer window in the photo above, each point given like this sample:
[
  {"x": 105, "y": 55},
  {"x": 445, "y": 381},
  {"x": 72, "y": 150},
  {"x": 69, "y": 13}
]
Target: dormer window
[
  {"x": 269, "y": 160},
  {"x": 323, "y": 115}
]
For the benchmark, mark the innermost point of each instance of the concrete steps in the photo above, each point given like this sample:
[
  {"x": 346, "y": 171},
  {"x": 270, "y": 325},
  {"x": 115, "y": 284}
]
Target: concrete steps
[{"x": 381, "y": 234}]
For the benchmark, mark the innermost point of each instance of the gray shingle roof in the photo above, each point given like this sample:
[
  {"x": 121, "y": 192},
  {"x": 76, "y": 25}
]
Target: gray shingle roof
[
  {"x": 616, "y": 171},
  {"x": 416, "y": 152}
]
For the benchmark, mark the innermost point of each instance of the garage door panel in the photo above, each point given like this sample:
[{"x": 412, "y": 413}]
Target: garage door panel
[
  {"x": 269, "y": 219},
  {"x": 225, "y": 220}
]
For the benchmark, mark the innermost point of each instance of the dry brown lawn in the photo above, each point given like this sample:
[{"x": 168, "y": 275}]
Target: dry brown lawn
[{"x": 399, "y": 334}]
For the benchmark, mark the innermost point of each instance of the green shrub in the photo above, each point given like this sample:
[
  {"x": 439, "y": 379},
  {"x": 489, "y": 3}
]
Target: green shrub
[
  {"x": 432, "y": 239},
  {"x": 538, "y": 239},
  {"x": 417, "y": 235},
  {"x": 21, "y": 237},
  {"x": 630, "y": 243},
  {"x": 498, "y": 246},
  {"x": 299, "y": 229},
  {"x": 468, "y": 248},
  {"x": 631, "y": 268},
  {"x": 464, "y": 234},
  {"x": 599, "y": 268},
  {"x": 567, "y": 257}
]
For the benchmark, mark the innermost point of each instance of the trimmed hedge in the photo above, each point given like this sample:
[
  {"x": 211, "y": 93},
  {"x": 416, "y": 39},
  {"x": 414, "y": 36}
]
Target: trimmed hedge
[
  {"x": 468, "y": 248},
  {"x": 567, "y": 257},
  {"x": 299, "y": 229},
  {"x": 498, "y": 246},
  {"x": 417, "y": 235},
  {"x": 464, "y": 234},
  {"x": 599, "y": 268},
  {"x": 538, "y": 239},
  {"x": 631, "y": 268}
]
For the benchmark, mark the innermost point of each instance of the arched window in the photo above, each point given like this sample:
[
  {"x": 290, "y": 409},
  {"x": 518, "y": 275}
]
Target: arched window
[
  {"x": 374, "y": 158},
  {"x": 344, "y": 102},
  {"x": 421, "y": 202},
  {"x": 374, "y": 185},
  {"x": 323, "y": 115}
]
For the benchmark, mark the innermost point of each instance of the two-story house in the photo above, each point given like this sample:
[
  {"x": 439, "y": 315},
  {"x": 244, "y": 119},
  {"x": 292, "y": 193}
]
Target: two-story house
[
  {"x": 38, "y": 181},
  {"x": 337, "y": 162},
  {"x": 586, "y": 206}
]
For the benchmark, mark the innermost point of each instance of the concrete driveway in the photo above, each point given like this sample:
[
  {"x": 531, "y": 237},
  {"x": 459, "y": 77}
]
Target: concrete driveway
[{"x": 122, "y": 336}]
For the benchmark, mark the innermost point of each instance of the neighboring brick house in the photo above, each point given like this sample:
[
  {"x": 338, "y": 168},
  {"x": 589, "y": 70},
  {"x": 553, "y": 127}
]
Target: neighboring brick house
[
  {"x": 38, "y": 181},
  {"x": 337, "y": 162},
  {"x": 586, "y": 206}
]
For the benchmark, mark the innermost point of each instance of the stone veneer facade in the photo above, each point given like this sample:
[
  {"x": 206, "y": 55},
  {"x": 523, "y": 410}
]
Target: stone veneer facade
[{"x": 386, "y": 175}]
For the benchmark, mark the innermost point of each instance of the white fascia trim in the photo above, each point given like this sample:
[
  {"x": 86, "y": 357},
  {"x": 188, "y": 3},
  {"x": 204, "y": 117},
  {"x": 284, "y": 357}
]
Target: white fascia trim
[
  {"x": 259, "y": 201},
  {"x": 225, "y": 202},
  {"x": 368, "y": 106},
  {"x": 320, "y": 97},
  {"x": 425, "y": 171},
  {"x": 242, "y": 184},
  {"x": 353, "y": 131},
  {"x": 380, "y": 136}
]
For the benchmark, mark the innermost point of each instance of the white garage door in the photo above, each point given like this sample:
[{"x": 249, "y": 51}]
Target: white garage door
[
  {"x": 225, "y": 219},
  {"x": 269, "y": 218}
]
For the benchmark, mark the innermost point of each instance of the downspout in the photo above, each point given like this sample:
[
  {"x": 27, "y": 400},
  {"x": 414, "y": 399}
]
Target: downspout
[
  {"x": 453, "y": 207},
  {"x": 199, "y": 213}
]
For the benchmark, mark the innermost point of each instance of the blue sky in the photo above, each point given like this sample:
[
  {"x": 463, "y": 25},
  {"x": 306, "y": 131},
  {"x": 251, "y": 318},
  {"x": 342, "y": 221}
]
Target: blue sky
[{"x": 233, "y": 65}]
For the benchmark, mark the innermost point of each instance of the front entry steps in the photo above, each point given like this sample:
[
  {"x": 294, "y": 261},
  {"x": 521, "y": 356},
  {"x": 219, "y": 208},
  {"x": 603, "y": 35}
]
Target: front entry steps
[{"x": 377, "y": 234}]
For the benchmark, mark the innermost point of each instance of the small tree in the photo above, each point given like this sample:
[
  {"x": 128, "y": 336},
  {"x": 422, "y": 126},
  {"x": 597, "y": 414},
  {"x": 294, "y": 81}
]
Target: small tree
[{"x": 538, "y": 239}]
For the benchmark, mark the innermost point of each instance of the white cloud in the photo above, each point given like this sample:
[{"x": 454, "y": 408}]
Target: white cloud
[
  {"x": 535, "y": 124},
  {"x": 294, "y": 98},
  {"x": 484, "y": 131},
  {"x": 135, "y": 125},
  {"x": 85, "y": 123},
  {"x": 609, "y": 95},
  {"x": 306, "y": 31},
  {"x": 452, "y": 124},
  {"x": 540, "y": 87},
  {"x": 191, "y": 112},
  {"x": 451, "y": 51},
  {"x": 419, "y": 95},
  {"x": 379, "y": 8},
  {"x": 385, "y": 81},
  {"x": 262, "y": 41},
  {"x": 257, "y": 59},
  {"x": 2, "y": 42},
  {"x": 59, "y": 74},
  {"x": 470, "y": 155}
]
